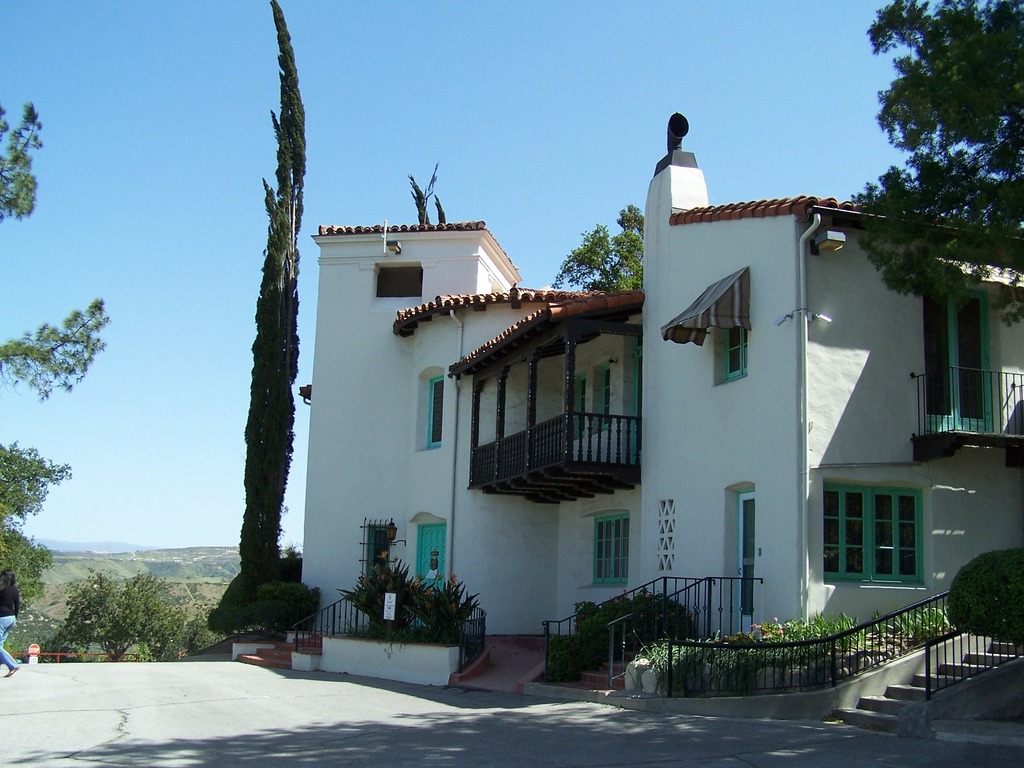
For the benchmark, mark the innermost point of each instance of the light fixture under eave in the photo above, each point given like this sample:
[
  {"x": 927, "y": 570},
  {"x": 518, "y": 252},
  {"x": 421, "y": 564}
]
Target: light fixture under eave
[
  {"x": 824, "y": 318},
  {"x": 394, "y": 246},
  {"x": 828, "y": 240}
]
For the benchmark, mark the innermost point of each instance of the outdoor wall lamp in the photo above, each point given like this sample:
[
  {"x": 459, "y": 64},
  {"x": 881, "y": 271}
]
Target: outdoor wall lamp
[
  {"x": 828, "y": 240},
  {"x": 394, "y": 246},
  {"x": 392, "y": 533},
  {"x": 814, "y": 316}
]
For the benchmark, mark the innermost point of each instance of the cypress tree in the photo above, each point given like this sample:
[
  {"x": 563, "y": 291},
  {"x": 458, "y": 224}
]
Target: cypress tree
[{"x": 269, "y": 431}]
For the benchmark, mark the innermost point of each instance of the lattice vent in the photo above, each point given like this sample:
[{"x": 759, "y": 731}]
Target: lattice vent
[{"x": 666, "y": 534}]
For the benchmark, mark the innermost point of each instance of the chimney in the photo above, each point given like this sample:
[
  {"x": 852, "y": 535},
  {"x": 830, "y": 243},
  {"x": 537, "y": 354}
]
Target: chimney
[{"x": 678, "y": 180}]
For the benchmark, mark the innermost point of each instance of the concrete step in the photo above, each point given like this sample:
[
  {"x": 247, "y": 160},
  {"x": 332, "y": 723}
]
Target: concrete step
[
  {"x": 881, "y": 704},
  {"x": 278, "y": 657},
  {"x": 1005, "y": 649},
  {"x": 874, "y": 721},
  {"x": 905, "y": 692},
  {"x": 988, "y": 659}
]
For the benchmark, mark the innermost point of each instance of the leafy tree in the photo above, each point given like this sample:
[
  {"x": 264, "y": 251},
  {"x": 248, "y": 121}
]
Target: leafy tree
[
  {"x": 25, "y": 480},
  {"x": 17, "y": 184},
  {"x": 120, "y": 616},
  {"x": 421, "y": 199},
  {"x": 956, "y": 106},
  {"x": 603, "y": 262},
  {"x": 269, "y": 431},
  {"x": 52, "y": 357},
  {"x": 55, "y": 357}
]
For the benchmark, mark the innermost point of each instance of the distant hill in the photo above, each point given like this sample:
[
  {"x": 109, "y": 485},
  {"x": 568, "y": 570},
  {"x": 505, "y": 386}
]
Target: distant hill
[
  {"x": 92, "y": 546},
  {"x": 198, "y": 577}
]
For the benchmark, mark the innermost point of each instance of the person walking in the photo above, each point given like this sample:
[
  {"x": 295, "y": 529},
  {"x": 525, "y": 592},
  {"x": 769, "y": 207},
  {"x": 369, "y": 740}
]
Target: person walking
[{"x": 10, "y": 604}]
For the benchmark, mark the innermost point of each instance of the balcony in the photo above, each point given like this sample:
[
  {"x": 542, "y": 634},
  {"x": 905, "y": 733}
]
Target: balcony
[
  {"x": 958, "y": 407},
  {"x": 571, "y": 456}
]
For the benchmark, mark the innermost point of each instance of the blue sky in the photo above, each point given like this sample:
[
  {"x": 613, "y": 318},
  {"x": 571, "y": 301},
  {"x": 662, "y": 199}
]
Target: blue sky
[{"x": 546, "y": 118}]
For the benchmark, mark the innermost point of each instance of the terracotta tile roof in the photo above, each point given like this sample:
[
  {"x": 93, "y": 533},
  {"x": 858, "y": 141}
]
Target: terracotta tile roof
[
  {"x": 378, "y": 229},
  {"x": 594, "y": 303},
  {"x": 757, "y": 209},
  {"x": 407, "y": 320}
]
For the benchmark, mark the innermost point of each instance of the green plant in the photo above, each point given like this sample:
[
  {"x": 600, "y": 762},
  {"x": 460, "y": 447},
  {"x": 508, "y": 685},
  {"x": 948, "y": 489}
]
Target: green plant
[
  {"x": 424, "y": 613},
  {"x": 987, "y": 596},
  {"x": 440, "y": 609},
  {"x": 369, "y": 593}
]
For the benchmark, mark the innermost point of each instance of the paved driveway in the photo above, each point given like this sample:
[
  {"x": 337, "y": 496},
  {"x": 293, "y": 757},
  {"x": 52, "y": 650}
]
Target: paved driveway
[{"x": 228, "y": 714}]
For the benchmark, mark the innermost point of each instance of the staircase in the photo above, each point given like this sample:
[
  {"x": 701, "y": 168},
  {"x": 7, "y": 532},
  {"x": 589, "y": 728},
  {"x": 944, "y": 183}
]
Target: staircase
[
  {"x": 277, "y": 657},
  {"x": 597, "y": 680},
  {"x": 882, "y": 713}
]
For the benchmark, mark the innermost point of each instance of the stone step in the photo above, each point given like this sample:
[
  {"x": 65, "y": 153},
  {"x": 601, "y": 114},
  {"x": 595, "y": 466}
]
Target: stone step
[
  {"x": 905, "y": 692},
  {"x": 1005, "y": 649},
  {"x": 961, "y": 671},
  {"x": 874, "y": 721},
  {"x": 881, "y": 704},
  {"x": 278, "y": 657},
  {"x": 988, "y": 659}
]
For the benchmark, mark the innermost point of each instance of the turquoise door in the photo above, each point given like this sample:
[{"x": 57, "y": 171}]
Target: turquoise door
[
  {"x": 431, "y": 543},
  {"x": 747, "y": 550}
]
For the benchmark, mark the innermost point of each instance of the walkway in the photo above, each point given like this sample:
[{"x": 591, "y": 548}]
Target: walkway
[{"x": 231, "y": 715}]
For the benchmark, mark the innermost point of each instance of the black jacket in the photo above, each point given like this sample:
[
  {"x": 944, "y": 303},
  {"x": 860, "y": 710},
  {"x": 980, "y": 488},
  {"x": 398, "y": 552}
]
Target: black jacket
[{"x": 10, "y": 601}]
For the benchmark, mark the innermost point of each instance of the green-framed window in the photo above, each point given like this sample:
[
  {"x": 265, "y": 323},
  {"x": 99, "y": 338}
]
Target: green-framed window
[
  {"x": 435, "y": 411},
  {"x": 611, "y": 549},
  {"x": 872, "y": 534},
  {"x": 735, "y": 353},
  {"x": 378, "y": 548}
]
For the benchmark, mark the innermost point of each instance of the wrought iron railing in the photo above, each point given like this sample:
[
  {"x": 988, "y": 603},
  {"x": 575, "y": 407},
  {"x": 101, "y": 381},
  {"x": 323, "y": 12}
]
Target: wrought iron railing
[
  {"x": 339, "y": 618},
  {"x": 954, "y": 657},
  {"x": 740, "y": 668},
  {"x": 970, "y": 400},
  {"x": 343, "y": 618},
  {"x": 570, "y": 437},
  {"x": 472, "y": 637},
  {"x": 670, "y": 606},
  {"x": 702, "y": 608}
]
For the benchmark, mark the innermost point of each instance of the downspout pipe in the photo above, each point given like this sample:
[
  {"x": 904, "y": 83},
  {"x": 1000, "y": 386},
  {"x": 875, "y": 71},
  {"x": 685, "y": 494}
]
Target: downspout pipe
[
  {"x": 455, "y": 448},
  {"x": 804, "y": 483}
]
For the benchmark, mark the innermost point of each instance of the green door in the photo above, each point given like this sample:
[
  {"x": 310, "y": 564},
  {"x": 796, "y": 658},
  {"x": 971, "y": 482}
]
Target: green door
[
  {"x": 747, "y": 550},
  {"x": 430, "y": 553},
  {"x": 956, "y": 356}
]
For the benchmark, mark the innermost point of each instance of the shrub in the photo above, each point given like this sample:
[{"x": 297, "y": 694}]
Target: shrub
[
  {"x": 987, "y": 596},
  {"x": 439, "y": 610},
  {"x": 277, "y": 607},
  {"x": 424, "y": 613}
]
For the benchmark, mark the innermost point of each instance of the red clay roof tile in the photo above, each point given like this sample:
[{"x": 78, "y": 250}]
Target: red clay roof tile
[
  {"x": 756, "y": 209},
  {"x": 539, "y": 321},
  {"x": 407, "y": 320}
]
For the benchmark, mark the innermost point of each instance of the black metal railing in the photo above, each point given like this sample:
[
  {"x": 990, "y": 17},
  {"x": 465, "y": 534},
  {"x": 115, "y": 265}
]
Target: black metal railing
[
  {"x": 702, "y": 608},
  {"x": 672, "y": 606},
  {"x": 339, "y": 618},
  {"x": 954, "y": 657},
  {"x": 970, "y": 400},
  {"x": 695, "y": 668},
  {"x": 343, "y": 618},
  {"x": 570, "y": 437},
  {"x": 472, "y": 637}
]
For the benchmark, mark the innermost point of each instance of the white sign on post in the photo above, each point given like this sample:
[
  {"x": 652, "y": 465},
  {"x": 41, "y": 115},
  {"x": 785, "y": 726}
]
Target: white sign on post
[{"x": 390, "y": 603}]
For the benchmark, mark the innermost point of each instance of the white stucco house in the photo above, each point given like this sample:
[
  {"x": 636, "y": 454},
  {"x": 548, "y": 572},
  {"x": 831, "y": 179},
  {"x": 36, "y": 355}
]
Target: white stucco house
[{"x": 765, "y": 407}]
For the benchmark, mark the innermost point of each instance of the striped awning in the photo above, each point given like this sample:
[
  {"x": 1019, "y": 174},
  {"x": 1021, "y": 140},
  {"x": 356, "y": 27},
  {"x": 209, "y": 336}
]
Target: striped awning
[{"x": 725, "y": 304}]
